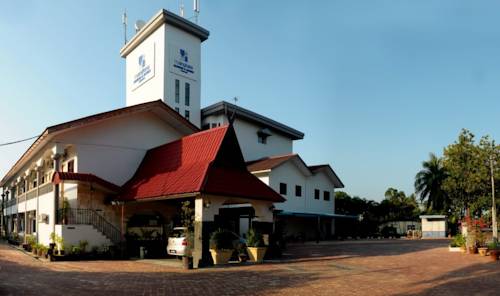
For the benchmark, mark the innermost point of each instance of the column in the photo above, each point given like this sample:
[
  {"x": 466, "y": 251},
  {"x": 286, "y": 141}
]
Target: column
[
  {"x": 57, "y": 162},
  {"x": 205, "y": 208}
]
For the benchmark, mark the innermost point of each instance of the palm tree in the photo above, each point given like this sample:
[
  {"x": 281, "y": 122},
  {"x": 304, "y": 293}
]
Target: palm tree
[{"x": 428, "y": 184}]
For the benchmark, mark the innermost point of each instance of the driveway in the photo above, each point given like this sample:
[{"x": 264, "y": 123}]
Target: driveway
[{"x": 387, "y": 267}]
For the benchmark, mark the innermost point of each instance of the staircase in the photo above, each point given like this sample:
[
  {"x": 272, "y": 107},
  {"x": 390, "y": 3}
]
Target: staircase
[{"x": 90, "y": 217}]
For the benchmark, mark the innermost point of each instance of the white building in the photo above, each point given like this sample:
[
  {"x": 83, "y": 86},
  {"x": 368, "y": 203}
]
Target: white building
[
  {"x": 103, "y": 177},
  {"x": 259, "y": 136},
  {"x": 267, "y": 146}
]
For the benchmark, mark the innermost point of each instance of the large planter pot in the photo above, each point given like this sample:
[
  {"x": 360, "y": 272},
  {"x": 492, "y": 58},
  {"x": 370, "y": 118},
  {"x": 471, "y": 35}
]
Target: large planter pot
[
  {"x": 494, "y": 255},
  {"x": 482, "y": 251},
  {"x": 221, "y": 256},
  {"x": 187, "y": 262},
  {"x": 454, "y": 249},
  {"x": 256, "y": 254}
]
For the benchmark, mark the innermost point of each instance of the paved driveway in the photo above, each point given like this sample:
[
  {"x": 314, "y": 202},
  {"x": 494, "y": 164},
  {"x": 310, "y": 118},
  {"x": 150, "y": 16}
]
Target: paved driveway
[{"x": 336, "y": 268}]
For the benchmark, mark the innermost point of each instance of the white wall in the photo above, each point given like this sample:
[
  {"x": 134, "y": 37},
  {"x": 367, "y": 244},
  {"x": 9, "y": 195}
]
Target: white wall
[
  {"x": 177, "y": 39},
  {"x": 322, "y": 182},
  {"x": 113, "y": 149},
  {"x": 73, "y": 234},
  {"x": 289, "y": 174},
  {"x": 153, "y": 88},
  {"x": 247, "y": 137},
  {"x": 45, "y": 206},
  {"x": 160, "y": 49}
]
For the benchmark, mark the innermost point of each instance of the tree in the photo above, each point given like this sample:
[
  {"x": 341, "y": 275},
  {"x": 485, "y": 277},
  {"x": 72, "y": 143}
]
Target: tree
[
  {"x": 429, "y": 185},
  {"x": 464, "y": 168},
  {"x": 398, "y": 207}
]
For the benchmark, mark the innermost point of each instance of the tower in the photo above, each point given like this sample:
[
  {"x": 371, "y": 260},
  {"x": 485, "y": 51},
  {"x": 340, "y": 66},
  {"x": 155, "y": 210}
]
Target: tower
[{"x": 163, "y": 61}]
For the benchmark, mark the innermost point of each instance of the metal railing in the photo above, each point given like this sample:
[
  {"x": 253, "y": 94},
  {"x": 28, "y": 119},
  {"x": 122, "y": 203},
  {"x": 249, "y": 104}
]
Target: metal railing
[{"x": 90, "y": 217}]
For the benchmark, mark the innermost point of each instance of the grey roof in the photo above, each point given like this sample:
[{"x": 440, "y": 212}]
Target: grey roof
[
  {"x": 163, "y": 16},
  {"x": 224, "y": 107}
]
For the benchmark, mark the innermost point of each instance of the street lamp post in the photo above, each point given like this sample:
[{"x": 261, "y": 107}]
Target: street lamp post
[{"x": 494, "y": 204}]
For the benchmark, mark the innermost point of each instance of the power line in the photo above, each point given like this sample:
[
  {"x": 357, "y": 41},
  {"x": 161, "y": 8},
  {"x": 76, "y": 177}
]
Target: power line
[{"x": 18, "y": 141}]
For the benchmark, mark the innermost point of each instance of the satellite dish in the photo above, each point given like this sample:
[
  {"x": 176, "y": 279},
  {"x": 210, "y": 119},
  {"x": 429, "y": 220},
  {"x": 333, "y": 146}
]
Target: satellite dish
[{"x": 139, "y": 24}]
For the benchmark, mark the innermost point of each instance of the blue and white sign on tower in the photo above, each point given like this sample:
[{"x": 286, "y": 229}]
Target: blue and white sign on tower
[
  {"x": 145, "y": 68},
  {"x": 181, "y": 62}
]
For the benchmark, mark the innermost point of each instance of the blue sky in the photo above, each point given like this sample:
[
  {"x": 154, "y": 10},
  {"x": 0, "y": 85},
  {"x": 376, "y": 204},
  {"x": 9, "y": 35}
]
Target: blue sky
[{"x": 375, "y": 85}]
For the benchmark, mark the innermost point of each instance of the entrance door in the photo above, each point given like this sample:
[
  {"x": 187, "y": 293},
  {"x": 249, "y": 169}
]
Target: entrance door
[{"x": 244, "y": 226}]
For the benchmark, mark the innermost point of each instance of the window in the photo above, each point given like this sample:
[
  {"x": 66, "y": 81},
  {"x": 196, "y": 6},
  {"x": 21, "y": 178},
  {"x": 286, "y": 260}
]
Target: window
[
  {"x": 177, "y": 90},
  {"x": 71, "y": 166},
  {"x": 262, "y": 135},
  {"x": 186, "y": 114},
  {"x": 187, "y": 94},
  {"x": 177, "y": 109},
  {"x": 326, "y": 195},
  {"x": 298, "y": 190},
  {"x": 205, "y": 126},
  {"x": 262, "y": 139},
  {"x": 43, "y": 179},
  {"x": 283, "y": 188},
  {"x": 214, "y": 125},
  {"x": 33, "y": 225},
  {"x": 316, "y": 193}
]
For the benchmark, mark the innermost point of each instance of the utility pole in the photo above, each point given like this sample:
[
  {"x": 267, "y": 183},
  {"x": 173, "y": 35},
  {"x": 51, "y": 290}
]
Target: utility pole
[{"x": 494, "y": 204}]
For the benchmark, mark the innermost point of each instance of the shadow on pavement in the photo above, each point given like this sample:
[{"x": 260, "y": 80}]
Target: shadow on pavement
[
  {"x": 477, "y": 279},
  {"x": 368, "y": 248},
  {"x": 41, "y": 279}
]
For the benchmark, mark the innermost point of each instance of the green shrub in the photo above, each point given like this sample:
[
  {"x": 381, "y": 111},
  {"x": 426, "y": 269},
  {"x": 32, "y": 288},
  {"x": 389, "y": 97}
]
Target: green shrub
[
  {"x": 31, "y": 240},
  {"x": 458, "y": 241},
  {"x": 83, "y": 244},
  {"x": 255, "y": 239},
  {"x": 493, "y": 245},
  {"x": 221, "y": 240}
]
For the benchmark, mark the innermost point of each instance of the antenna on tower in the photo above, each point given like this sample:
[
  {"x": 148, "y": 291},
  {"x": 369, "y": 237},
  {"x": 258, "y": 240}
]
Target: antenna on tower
[
  {"x": 182, "y": 8},
  {"x": 233, "y": 116},
  {"x": 124, "y": 22},
  {"x": 196, "y": 8}
]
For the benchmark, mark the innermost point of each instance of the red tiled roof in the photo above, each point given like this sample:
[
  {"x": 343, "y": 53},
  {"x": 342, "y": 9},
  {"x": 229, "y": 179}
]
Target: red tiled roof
[
  {"x": 268, "y": 163},
  {"x": 207, "y": 162},
  {"x": 59, "y": 177}
]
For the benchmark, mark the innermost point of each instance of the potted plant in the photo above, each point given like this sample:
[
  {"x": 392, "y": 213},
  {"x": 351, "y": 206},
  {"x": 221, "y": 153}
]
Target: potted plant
[
  {"x": 471, "y": 242},
  {"x": 30, "y": 241},
  {"x": 221, "y": 246},
  {"x": 34, "y": 248},
  {"x": 457, "y": 244},
  {"x": 481, "y": 242},
  {"x": 255, "y": 246},
  {"x": 493, "y": 249},
  {"x": 242, "y": 254}
]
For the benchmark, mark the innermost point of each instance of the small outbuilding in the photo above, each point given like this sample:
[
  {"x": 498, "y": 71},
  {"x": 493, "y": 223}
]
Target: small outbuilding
[{"x": 434, "y": 226}]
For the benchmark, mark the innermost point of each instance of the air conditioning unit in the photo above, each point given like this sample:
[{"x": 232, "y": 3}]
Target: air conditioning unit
[{"x": 43, "y": 218}]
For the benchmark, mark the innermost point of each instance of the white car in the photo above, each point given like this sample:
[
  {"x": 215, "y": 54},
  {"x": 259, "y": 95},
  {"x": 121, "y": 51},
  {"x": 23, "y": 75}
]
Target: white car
[{"x": 177, "y": 242}]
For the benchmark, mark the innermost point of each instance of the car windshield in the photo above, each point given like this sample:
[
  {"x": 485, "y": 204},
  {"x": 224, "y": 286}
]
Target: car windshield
[{"x": 177, "y": 233}]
